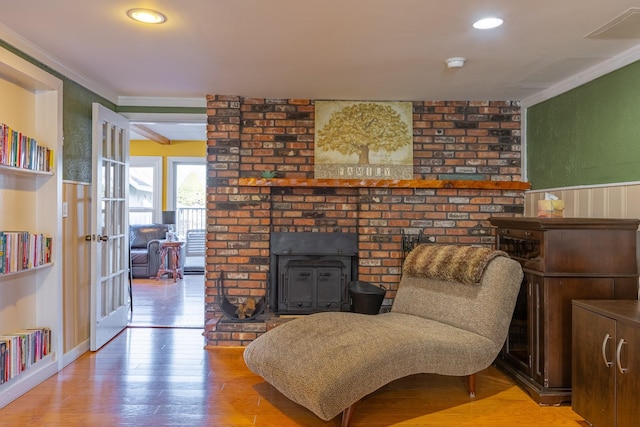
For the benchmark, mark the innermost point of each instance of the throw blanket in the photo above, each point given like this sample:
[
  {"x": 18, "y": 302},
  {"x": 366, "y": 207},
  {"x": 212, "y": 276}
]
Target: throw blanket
[{"x": 463, "y": 264}]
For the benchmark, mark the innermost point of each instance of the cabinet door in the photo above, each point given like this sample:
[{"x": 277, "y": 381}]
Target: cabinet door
[
  {"x": 517, "y": 347},
  {"x": 555, "y": 347},
  {"x": 329, "y": 288},
  {"x": 300, "y": 289},
  {"x": 593, "y": 379},
  {"x": 628, "y": 383}
]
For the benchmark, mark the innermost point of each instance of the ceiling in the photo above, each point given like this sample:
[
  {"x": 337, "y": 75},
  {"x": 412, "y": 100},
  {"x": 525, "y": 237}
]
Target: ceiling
[{"x": 318, "y": 49}]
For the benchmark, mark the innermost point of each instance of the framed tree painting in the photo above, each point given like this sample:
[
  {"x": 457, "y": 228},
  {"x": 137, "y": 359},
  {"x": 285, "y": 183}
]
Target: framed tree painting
[{"x": 363, "y": 140}]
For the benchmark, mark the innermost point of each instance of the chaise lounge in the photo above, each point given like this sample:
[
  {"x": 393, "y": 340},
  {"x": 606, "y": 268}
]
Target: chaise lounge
[{"x": 450, "y": 316}]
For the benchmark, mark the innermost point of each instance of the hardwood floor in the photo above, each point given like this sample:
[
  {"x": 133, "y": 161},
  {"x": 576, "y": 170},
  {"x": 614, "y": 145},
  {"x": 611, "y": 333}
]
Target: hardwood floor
[
  {"x": 165, "y": 303},
  {"x": 164, "y": 377}
]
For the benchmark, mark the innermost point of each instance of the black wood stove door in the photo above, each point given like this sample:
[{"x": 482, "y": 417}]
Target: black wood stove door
[{"x": 309, "y": 287}]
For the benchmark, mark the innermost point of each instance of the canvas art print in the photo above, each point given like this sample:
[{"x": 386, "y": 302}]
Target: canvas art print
[{"x": 363, "y": 140}]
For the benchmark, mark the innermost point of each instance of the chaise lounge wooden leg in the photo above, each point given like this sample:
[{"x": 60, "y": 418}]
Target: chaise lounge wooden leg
[
  {"x": 471, "y": 385},
  {"x": 347, "y": 414}
]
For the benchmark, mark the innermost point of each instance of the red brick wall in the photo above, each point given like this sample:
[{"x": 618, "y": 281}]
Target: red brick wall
[{"x": 476, "y": 139}]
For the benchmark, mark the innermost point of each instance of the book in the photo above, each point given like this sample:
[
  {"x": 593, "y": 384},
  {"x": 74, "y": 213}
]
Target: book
[
  {"x": 2, "y": 256},
  {"x": 3, "y": 351},
  {"x": 2, "y": 127}
]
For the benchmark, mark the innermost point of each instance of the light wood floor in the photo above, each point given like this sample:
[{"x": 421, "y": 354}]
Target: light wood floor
[
  {"x": 165, "y": 377},
  {"x": 165, "y": 303}
]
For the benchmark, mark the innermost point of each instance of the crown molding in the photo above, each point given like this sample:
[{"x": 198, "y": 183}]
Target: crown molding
[
  {"x": 150, "y": 101},
  {"x": 141, "y": 118},
  {"x": 625, "y": 58}
]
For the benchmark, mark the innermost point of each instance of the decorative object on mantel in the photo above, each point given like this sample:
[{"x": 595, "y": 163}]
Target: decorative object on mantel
[
  {"x": 366, "y": 140},
  {"x": 385, "y": 183},
  {"x": 269, "y": 174}
]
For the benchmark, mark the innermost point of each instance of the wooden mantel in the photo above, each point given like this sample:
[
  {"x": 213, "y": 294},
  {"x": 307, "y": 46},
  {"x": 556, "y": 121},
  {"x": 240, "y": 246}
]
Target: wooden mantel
[{"x": 384, "y": 183}]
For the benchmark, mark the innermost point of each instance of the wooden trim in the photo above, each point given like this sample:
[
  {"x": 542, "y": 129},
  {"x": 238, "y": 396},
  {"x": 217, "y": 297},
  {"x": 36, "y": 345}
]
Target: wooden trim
[
  {"x": 381, "y": 183},
  {"x": 152, "y": 135}
]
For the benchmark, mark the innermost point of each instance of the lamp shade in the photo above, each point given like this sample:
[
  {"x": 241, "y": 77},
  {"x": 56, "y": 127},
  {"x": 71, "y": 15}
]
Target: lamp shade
[{"x": 168, "y": 217}]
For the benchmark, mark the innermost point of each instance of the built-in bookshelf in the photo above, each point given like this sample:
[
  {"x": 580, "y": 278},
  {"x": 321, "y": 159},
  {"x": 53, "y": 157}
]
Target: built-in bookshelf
[{"x": 31, "y": 321}]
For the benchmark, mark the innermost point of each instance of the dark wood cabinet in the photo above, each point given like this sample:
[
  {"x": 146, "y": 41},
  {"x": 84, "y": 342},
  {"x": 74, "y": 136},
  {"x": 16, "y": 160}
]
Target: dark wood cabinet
[
  {"x": 606, "y": 369},
  {"x": 563, "y": 259}
]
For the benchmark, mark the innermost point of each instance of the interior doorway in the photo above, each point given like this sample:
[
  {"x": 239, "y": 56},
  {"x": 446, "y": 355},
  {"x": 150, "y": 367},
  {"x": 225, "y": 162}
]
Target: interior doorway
[{"x": 163, "y": 302}]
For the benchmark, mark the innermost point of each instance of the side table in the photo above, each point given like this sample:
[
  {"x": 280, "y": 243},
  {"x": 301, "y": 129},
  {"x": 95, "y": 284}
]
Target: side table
[{"x": 170, "y": 253}]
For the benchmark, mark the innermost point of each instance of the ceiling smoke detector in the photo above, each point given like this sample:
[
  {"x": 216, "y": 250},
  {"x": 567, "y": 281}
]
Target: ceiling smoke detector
[{"x": 455, "y": 62}]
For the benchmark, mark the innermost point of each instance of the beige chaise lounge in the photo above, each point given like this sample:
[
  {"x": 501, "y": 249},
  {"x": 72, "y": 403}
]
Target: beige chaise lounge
[{"x": 441, "y": 322}]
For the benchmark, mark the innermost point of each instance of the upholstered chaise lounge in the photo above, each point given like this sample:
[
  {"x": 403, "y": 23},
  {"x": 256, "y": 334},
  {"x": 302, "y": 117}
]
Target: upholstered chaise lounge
[{"x": 450, "y": 316}]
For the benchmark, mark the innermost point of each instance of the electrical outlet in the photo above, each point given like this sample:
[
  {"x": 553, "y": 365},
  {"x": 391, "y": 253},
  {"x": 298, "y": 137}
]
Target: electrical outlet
[{"x": 65, "y": 209}]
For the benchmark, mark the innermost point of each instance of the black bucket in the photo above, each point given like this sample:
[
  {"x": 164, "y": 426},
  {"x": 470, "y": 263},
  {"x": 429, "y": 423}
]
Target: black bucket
[{"x": 366, "y": 298}]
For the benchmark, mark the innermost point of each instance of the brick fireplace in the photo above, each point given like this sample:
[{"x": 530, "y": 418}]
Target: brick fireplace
[{"x": 467, "y": 168}]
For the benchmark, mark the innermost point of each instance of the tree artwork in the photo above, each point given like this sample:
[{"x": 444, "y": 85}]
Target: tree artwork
[
  {"x": 364, "y": 139},
  {"x": 362, "y": 128}
]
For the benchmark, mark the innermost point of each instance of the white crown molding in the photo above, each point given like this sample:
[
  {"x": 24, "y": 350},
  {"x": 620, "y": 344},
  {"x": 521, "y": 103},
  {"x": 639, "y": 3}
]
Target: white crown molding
[
  {"x": 143, "y": 118},
  {"x": 625, "y": 58},
  {"x": 150, "y": 101},
  {"x": 584, "y": 187},
  {"x": 24, "y": 45}
]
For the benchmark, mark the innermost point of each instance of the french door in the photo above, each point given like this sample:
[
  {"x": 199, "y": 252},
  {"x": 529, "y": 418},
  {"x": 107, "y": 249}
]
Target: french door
[{"x": 110, "y": 298}]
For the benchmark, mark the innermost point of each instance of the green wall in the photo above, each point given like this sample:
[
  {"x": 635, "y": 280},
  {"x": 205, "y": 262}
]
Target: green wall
[{"x": 589, "y": 135}]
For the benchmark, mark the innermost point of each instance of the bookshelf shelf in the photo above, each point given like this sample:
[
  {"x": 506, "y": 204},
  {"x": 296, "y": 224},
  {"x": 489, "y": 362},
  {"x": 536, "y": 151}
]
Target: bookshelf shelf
[
  {"x": 31, "y": 202},
  {"x": 25, "y": 271},
  {"x": 4, "y": 169},
  {"x": 34, "y": 375}
]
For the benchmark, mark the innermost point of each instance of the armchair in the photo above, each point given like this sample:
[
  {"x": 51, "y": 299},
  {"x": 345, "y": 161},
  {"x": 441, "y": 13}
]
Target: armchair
[{"x": 144, "y": 243}]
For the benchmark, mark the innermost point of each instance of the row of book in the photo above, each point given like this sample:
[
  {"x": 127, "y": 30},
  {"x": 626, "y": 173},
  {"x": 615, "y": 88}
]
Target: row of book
[
  {"x": 21, "y": 250},
  {"x": 21, "y": 349},
  {"x": 19, "y": 150}
]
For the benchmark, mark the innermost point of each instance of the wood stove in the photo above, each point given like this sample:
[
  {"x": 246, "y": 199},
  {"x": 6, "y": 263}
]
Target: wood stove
[{"x": 310, "y": 272}]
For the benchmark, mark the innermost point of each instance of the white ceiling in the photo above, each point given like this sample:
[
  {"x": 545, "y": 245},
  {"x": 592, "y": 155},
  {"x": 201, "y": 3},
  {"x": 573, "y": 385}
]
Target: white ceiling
[{"x": 318, "y": 49}]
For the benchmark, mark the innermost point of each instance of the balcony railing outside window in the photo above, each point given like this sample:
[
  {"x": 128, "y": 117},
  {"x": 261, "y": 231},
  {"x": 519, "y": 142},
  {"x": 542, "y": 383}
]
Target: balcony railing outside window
[{"x": 190, "y": 219}]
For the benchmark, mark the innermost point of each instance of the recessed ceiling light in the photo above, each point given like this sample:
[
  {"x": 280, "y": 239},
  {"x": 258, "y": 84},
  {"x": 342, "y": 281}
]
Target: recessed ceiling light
[
  {"x": 487, "y": 23},
  {"x": 146, "y": 16},
  {"x": 455, "y": 62}
]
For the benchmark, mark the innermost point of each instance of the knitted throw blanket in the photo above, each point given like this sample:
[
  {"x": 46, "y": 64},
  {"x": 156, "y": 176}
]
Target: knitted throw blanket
[{"x": 463, "y": 264}]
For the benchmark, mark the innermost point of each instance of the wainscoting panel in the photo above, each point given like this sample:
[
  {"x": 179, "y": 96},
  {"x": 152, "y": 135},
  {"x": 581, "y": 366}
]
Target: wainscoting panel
[
  {"x": 619, "y": 201},
  {"x": 76, "y": 271}
]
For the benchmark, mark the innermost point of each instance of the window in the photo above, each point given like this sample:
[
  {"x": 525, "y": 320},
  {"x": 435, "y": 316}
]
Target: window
[{"x": 145, "y": 189}]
